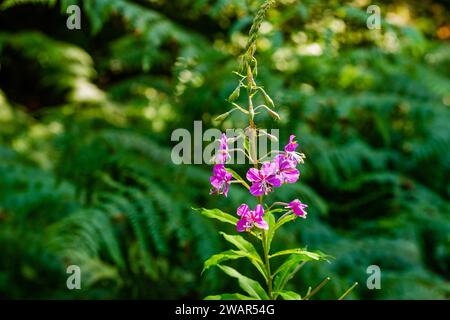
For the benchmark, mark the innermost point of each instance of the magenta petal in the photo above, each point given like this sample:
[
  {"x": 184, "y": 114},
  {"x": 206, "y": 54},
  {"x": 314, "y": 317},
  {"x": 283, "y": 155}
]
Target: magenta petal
[
  {"x": 242, "y": 211},
  {"x": 225, "y": 190},
  {"x": 297, "y": 208},
  {"x": 278, "y": 161},
  {"x": 290, "y": 175},
  {"x": 221, "y": 158},
  {"x": 259, "y": 211},
  {"x": 223, "y": 141},
  {"x": 268, "y": 169},
  {"x": 256, "y": 189},
  {"x": 287, "y": 163},
  {"x": 253, "y": 175},
  {"x": 218, "y": 169},
  {"x": 275, "y": 181},
  {"x": 215, "y": 182},
  {"x": 292, "y": 145},
  {"x": 291, "y": 138},
  {"x": 241, "y": 225}
]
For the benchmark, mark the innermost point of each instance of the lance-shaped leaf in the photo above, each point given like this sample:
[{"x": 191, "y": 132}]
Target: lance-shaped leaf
[
  {"x": 284, "y": 219},
  {"x": 218, "y": 215},
  {"x": 223, "y": 256},
  {"x": 270, "y": 218},
  {"x": 241, "y": 243},
  {"x": 297, "y": 258},
  {"x": 229, "y": 296},
  {"x": 251, "y": 253},
  {"x": 286, "y": 271},
  {"x": 252, "y": 287},
  {"x": 289, "y": 295},
  {"x": 304, "y": 254}
]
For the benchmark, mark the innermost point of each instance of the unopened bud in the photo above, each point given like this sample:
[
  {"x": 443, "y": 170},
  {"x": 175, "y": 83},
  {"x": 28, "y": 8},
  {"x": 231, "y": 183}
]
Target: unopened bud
[
  {"x": 273, "y": 114},
  {"x": 235, "y": 94},
  {"x": 223, "y": 116},
  {"x": 267, "y": 99},
  {"x": 240, "y": 108},
  {"x": 271, "y": 136}
]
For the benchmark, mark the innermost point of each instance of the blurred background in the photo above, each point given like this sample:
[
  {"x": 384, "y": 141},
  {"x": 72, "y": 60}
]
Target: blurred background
[{"x": 85, "y": 123}]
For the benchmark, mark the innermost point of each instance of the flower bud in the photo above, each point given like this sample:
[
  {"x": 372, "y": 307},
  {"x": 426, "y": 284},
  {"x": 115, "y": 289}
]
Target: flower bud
[
  {"x": 273, "y": 114},
  {"x": 223, "y": 116},
  {"x": 240, "y": 108},
  {"x": 235, "y": 94},
  {"x": 267, "y": 99}
]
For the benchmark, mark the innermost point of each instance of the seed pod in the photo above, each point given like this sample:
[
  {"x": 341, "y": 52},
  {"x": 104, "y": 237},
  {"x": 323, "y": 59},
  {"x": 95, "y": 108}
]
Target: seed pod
[
  {"x": 273, "y": 114},
  {"x": 267, "y": 99},
  {"x": 270, "y": 136},
  {"x": 235, "y": 94},
  {"x": 240, "y": 108},
  {"x": 223, "y": 116}
]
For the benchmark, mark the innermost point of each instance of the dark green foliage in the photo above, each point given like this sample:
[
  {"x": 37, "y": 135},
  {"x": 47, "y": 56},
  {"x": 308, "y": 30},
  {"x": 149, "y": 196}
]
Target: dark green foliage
[{"x": 85, "y": 124}]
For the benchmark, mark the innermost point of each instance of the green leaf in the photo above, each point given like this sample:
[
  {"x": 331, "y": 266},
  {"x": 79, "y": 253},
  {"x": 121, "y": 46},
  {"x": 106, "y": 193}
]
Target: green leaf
[
  {"x": 241, "y": 243},
  {"x": 292, "y": 264},
  {"x": 289, "y": 295},
  {"x": 306, "y": 255},
  {"x": 223, "y": 256},
  {"x": 229, "y": 296},
  {"x": 284, "y": 219},
  {"x": 218, "y": 215},
  {"x": 248, "y": 248},
  {"x": 270, "y": 218},
  {"x": 252, "y": 287}
]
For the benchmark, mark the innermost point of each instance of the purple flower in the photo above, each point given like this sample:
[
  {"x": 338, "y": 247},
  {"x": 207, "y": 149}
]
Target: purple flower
[
  {"x": 222, "y": 154},
  {"x": 292, "y": 145},
  {"x": 220, "y": 180},
  {"x": 250, "y": 218},
  {"x": 286, "y": 170},
  {"x": 297, "y": 208},
  {"x": 263, "y": 180},
  {"x": 289, "y": 150}
]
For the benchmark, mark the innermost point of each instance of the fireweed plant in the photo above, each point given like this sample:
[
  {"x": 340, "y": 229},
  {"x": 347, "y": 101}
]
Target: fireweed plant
[{"x": 266, "y": 176}]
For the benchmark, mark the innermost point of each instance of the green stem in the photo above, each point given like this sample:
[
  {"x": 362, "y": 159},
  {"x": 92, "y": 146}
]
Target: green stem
[
  {"x": 267, "y": 264},
  {"x": 254, "y": 154}
]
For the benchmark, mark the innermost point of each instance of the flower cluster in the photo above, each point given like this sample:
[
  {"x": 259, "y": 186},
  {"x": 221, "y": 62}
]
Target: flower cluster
[
  {"x": 272, "y": 174},
  {"x": 280, "y": 171},
  {"x": 249, "y": 218},
  {"x": 220, "y": 180},
  {"x": 297, "y": 208}
]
